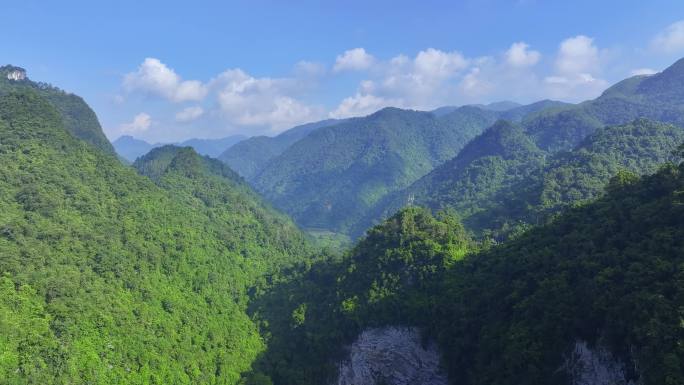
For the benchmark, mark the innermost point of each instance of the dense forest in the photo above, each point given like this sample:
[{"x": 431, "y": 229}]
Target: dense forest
[
  {"x": 506, "y": 234},
  {"x": 108, "y": 278},
  {"x": 608, "y": 272}
]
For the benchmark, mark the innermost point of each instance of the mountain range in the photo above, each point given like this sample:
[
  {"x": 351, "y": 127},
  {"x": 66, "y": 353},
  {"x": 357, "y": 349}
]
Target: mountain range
[
  {"x": 131, "y": 148},
  {"x": 522, "y": 244}
]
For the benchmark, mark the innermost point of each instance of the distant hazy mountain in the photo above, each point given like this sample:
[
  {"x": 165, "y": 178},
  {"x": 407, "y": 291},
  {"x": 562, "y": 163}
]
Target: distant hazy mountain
[
  {"x": 249, "y": 156},
  {"x": 212, "y": 147},
  {"x": 131, "y": 148}
]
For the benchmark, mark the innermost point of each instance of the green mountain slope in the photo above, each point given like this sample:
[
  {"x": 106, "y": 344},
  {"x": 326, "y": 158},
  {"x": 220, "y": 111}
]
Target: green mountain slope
[
  {"x": 249, "y": 156},
  {"x": 78, "y": 118},
  {"x": 608, "y": 273},
  {"x": 581, "y": 175},
  {"x": 131, "y": 148},
  {"x": 500, "y": 182},
  {"x": 470, "y": 182},
  {"x": 332, "y": 176},
  {"x": 107, "y": 278},
  {"x": 656, "y": 97}
]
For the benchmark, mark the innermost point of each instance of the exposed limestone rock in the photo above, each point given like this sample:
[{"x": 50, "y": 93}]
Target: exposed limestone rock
[
  {"x": 391, "y": 356},
  {"x": 17, "y": 74},
  {"x": 595, "y": 366}
]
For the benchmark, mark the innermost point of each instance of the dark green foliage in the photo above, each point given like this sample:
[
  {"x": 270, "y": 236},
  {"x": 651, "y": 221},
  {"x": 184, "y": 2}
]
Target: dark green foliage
[
  {"x": 107, "y": 278},
  {"x": 502, "y": 182},
  {"x": 581, "y": 175},
  {"x": 77, "y": 117},
  {"x": 609, "y": 272},
  {"x": 470, "y": 182},
  {"x": 390, "y": 277}
]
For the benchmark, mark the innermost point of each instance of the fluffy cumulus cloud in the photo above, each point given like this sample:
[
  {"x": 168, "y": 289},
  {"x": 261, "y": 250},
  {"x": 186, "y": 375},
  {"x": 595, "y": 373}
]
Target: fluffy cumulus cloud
[
  {"x": 354, "y": 60},
  {"x": 578, "y": 65},
  {"x": 248, "y": 101},
  {"x": 362, "y": 104},
  {"x": 520, "y": 55},
  {"x": 189, "y": 114},
  {"x": 140, "y": 123},
  {"x": 428, "y": 79},
  {"x": 405, "y": 82},
  {"x": 671, "y": 40},
  {"x": 155, "y": 78}
]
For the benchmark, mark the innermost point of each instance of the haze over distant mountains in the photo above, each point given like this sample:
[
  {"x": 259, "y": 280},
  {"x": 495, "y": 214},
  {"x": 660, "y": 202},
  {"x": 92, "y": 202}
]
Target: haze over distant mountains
[
  {"x": 344, "y": 176},
  {"x": 131, "y": 148}
]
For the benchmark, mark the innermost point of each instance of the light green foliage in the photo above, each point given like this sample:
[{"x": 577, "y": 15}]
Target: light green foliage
[{"x": 107, "y": 278}]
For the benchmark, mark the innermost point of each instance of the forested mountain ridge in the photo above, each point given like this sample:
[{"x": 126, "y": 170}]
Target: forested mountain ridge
[
  {"x": 513, "y": 183},
  {"x": 470, "y": 182},
  {"x": 249, "y": 156},
  {"x": 657, "y": 97},
  {"x": 607, "y": 274},
  {"x": 330, "y": 177},
  {"x": 78, "y": 118},
  {"x": 108, "y": 278}
]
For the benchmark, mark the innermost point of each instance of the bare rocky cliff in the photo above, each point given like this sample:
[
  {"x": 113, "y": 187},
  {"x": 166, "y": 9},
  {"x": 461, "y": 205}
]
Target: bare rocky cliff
[{"x": 391, "y": 356}]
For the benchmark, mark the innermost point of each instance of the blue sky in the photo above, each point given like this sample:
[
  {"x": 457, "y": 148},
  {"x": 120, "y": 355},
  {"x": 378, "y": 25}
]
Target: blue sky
[{"x": 166, "y": 71}]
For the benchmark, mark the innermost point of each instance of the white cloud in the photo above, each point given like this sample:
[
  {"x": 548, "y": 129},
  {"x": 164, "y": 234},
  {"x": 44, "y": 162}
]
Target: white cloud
[
  {"x": 519, "y": 55},
  {"x": 140, "y": 123},
  {"x": 671, "y": 40},
  {"x": 577, "y": 55},
  {"x": 474, "y": 84},
  {"x": 268, "y": 102},
  {"x": 155, "y": 78},
  {"x": 189, "y": 114},
  {"x": 419, "y": 82},
  {"x": 309, "y": 69},
  {"x": 353, "y": 60},
  {"x": 361, "y": 105},
  {"x": 643, "y": 71},
  {"x": 438, "y": 64},
  {"x": 578, "y": 64}
]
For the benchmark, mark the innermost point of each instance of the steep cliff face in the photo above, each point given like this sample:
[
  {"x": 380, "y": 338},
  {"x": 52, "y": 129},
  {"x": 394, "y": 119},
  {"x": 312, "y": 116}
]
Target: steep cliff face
[
  {"x": 391, "y": 356},
  {"x": 588, "y": 365}
]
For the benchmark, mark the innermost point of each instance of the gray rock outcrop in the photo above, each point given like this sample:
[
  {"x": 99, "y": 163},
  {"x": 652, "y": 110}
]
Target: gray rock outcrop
[
  {"x": 391, "y": 356},
  {"x": 595, "y": 366}
]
